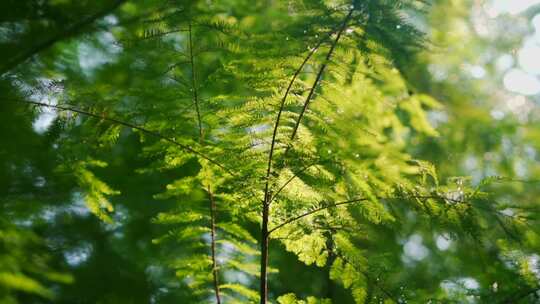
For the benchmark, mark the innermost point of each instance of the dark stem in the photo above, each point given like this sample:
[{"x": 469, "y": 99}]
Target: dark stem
[
  {"x": 264, "y": 253},
  {"x": 295, "y": 218},
  {"x": 353, "y": 201},
  {"x": 281, "y": 108},
  {"x": 320, "y": 73},
  {"x": 215, "y": 273},
  {"x": 315, "y": 83},
  {"x": 213, "y": 212},
  {"x": 278, "y": 118},
  {"x": 194, "y": 84},
  {"x": 295, "y": 175},
  {"x": 267, "y": 195},
  {"x": 68, "y": 33},
  {"x": 132, "y": 126}
]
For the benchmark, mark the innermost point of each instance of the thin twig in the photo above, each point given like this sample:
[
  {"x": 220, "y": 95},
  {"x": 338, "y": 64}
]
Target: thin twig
[
  {"x": 213, "y": 244},
  {"x": 295, "y": 175},
  {"x": 266, "y": 200},
  {"x": 357, "y": 200},
  {"x": 294, "y": 219},
  {"x": 320, "y": 73},
  {"x": 280, "y": 112},
  {"x": 132, "y": 126},
  {"x": 194, "y": 83},
  {"x": 213, "y": 212}
]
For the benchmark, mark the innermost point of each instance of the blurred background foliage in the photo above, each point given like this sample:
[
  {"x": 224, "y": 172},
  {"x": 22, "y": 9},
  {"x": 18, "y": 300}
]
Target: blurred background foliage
[{"x": 481, "y": 61}]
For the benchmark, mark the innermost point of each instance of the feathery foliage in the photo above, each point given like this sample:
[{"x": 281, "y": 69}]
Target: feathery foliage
[{"x": 263, "y": 130}]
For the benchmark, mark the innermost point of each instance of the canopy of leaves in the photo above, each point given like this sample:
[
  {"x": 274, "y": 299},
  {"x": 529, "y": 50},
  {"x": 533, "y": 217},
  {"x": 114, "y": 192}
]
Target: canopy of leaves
[{"x": 235, "y": 151}]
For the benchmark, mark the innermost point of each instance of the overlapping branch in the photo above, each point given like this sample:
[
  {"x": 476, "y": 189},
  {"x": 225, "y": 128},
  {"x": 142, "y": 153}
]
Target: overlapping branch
[
  {"x": 354, "y": 201},
  {"x": 320, "y": 73},
  {"x": 68, "y": 33},
  {"x": 133, "y": 126}
]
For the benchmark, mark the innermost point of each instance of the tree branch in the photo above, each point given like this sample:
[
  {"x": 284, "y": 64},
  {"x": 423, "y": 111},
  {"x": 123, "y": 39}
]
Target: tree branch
[
  {"x": 280, "y": 112},
  {"x": 213, "y": 212},
  {"x": 289, "y": 181},
  {"x": 295, "y": 218},
  {"x": 266, "y": 200},
  {"x": 353, "y": 201},
  {"x": 132, "y": 126},
  {"x": 320, "y": 73},
  {"x": 213, "y": 244},
  {"x": 194, "y": 82},
  {"x": 70, "y": 31}
]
